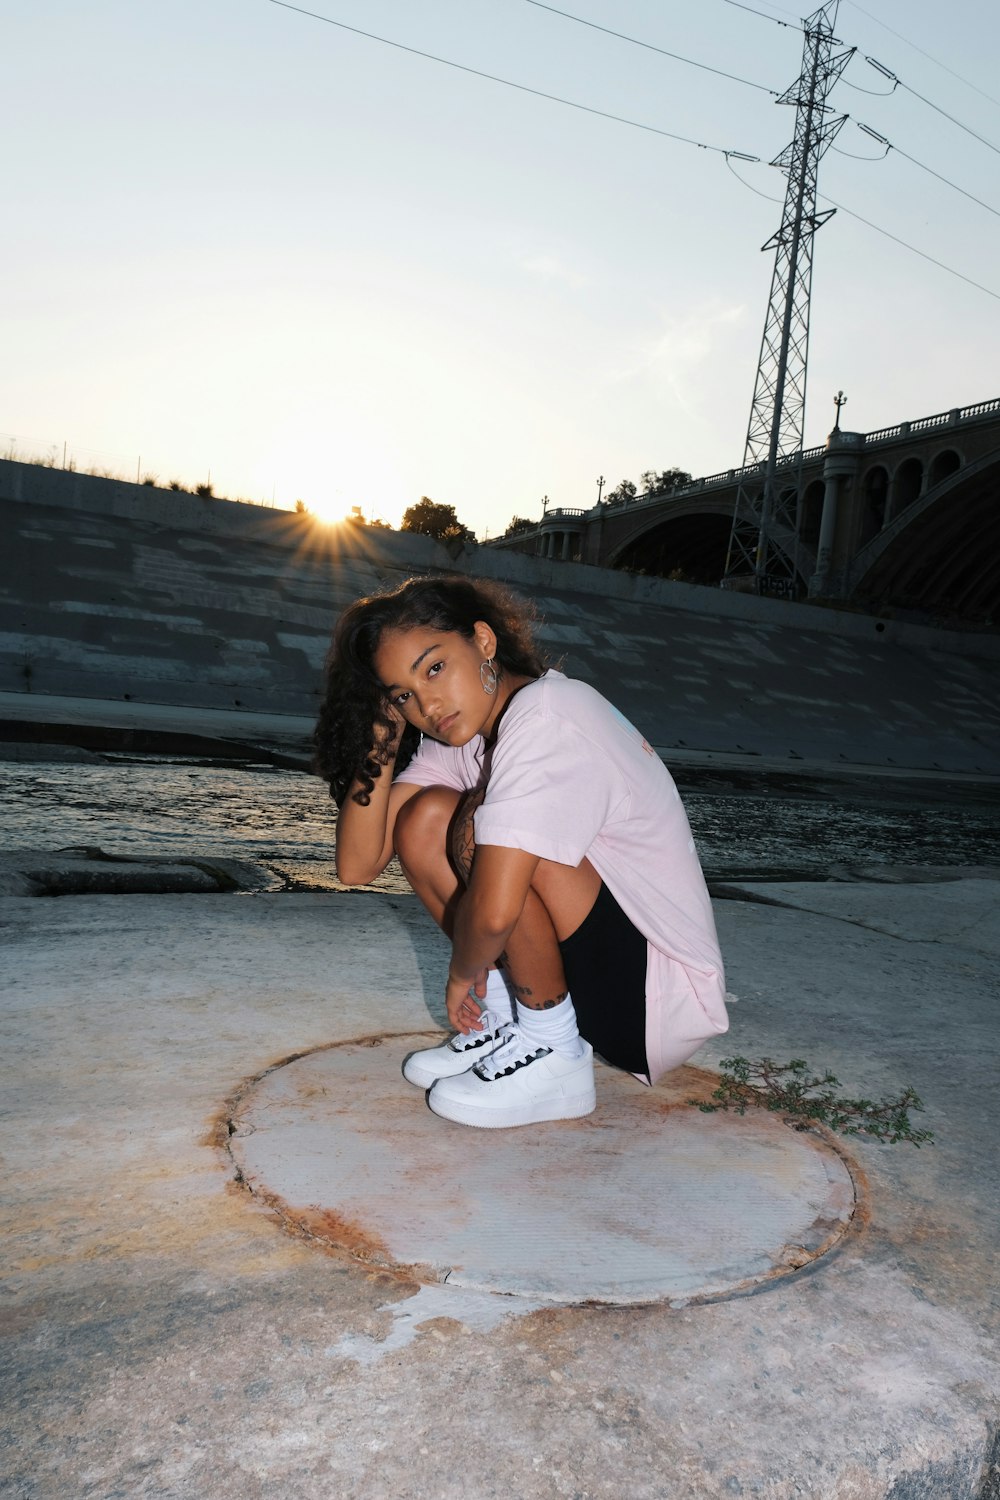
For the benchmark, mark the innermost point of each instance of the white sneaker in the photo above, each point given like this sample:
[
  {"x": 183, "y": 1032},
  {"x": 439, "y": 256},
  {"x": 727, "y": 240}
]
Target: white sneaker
[
  {"x": 518, "y": 1084},
  {"x": 458, "y": 1053}
]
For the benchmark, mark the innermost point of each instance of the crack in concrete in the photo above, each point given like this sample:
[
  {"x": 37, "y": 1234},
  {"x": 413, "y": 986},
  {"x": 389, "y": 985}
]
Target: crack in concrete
[{"x": 757, "y": 898}]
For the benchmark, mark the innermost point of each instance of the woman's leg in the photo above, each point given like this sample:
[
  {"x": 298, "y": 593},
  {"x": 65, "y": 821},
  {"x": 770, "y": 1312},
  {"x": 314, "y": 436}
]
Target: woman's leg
[
  {"x": 541, "y": 1070},
  {"x": 435, "y": 845},
  {"x": 422, "y": 841},
  {"x": 557, "y": 903}
]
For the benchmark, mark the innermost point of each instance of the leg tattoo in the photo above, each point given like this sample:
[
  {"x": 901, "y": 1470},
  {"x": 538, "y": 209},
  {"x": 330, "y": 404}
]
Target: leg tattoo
[
  {"x": 463, "y": 838},
  {"x": 521, "y": 993}
]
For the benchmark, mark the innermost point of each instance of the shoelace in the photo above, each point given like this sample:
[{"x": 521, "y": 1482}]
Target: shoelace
[
  {"x": 508, "y": 1055},
  {"x": 496, "y": 1031}
]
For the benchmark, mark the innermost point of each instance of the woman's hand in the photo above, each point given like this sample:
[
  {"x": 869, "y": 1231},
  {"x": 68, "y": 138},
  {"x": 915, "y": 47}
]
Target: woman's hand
[
  {"x": 365, "y": 829},
  {"x": 462, "y": 998}
]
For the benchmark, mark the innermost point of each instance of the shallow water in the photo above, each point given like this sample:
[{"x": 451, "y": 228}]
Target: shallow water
[{"x": 284, "y": 820}]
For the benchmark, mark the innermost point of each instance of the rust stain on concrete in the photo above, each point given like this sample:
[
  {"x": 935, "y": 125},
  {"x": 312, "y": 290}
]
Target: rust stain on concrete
[
  {"x": 341, "y": 1234},
  {"x": 326, "y": 1229},
  {"x": 344, "y": 1232},
  {"x": 223, "y": 1122},
  {"x": 683, "y": 1088}
]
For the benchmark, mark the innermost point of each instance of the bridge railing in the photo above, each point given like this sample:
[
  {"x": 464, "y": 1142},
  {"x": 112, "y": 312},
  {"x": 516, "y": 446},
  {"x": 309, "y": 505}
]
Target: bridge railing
[
  {"x": 981, "y": 409},
  {"x": 939, "y": 419},
  {"x": 711, "y": 481},
  {"x": 728, "y": 476}
]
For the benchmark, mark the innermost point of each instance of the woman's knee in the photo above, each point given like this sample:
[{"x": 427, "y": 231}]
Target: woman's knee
[{"x": 422, "y": 823}]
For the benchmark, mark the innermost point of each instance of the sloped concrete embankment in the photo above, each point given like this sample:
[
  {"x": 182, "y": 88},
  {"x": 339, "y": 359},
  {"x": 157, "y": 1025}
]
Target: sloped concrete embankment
[{"x": 114, "y": 592}]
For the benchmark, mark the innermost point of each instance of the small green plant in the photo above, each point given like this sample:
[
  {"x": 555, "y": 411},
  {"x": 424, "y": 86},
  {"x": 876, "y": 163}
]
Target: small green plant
[{"x": 792, "y": 1089}]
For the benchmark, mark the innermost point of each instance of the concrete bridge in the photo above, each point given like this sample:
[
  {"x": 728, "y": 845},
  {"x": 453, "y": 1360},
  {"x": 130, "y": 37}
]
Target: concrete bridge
[{"x": 908, "y": 516}]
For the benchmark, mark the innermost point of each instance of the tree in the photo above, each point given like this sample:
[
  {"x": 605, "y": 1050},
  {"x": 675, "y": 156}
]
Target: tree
[
  {"x": 430, "y": 518},
  {"x": 357, "y": 518},
  {"x": 519, "y": 524},
  {"x": 624, "y": 491},
  {"x": 666, "y": 479}
]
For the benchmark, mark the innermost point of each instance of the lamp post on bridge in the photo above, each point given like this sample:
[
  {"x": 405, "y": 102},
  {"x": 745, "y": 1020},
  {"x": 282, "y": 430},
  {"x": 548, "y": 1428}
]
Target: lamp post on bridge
[
  {"x": 841, "y": 463},
  {"x": 839, "y": 400}
]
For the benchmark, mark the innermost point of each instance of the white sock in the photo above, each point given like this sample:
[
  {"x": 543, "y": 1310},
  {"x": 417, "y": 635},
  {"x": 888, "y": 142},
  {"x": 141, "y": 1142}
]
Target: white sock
[
  {"x": 555, "y": 1028},
  {"x": 498, "y": 996}
]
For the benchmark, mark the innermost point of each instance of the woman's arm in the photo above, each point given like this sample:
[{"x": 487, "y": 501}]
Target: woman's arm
[
  {"x": 365, "y": 834},
  {"x": 487, "y": 915}
]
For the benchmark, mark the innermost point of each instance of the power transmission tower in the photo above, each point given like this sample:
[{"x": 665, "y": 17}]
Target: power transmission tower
[{"x": 763, "y": 543}]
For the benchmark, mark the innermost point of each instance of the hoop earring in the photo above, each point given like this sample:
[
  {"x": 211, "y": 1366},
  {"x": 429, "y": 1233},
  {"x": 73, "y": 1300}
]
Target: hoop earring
[{"x": 488, "y": 676}]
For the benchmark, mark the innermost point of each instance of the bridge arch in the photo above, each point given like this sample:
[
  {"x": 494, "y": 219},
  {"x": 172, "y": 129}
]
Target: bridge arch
[
  {"x": 943, "y": 464},
  {"x": 811, "y": 512},
  {"x": 875, "y": 490},
  {"x": 907, "y": 484},
  {"x": 689, "y": 544},
  {"x": 941, "y": 554}
]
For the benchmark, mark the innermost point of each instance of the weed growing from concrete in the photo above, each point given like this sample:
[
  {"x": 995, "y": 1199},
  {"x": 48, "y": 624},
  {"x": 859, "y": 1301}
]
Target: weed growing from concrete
[{"x": 791, "y": 1089}]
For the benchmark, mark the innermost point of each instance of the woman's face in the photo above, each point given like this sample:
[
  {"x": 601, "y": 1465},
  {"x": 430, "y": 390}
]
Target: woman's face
[{"x": 432, "y": 678}]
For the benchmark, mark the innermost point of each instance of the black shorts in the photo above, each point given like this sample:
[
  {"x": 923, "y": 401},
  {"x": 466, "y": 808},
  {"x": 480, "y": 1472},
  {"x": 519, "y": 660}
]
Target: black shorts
[{"x": 605, "y": 963}]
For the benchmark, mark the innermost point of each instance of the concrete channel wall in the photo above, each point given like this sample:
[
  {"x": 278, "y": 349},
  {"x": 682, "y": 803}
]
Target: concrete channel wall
[{"x": 119, "y": 592}]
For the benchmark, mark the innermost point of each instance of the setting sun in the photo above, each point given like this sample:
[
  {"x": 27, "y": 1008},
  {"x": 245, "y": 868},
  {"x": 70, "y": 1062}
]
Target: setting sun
[{"x": 335, "y": 466}]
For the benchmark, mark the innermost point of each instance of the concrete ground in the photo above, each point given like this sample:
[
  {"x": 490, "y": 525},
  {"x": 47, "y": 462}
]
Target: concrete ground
[{"x": 166, "y": 1336}]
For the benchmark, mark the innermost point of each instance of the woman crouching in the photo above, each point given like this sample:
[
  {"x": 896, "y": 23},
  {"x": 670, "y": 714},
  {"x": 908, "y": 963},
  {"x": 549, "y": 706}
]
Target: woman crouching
[{"x": 542, "y": 834}]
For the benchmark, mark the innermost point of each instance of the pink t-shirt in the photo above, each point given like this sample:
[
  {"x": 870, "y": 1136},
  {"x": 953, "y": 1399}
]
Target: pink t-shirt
[{"x": 569, "y": 778}]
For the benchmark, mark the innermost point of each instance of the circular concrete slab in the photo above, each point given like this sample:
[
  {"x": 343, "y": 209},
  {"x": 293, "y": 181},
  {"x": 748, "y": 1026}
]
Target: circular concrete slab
[{"x": 646, "y": 1200}]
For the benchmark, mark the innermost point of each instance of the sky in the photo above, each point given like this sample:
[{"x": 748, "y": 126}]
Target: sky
[{"x": 246, "y": 246}]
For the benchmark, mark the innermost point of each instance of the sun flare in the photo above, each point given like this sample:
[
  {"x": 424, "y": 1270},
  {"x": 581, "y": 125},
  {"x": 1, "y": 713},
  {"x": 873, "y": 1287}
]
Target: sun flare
[{"x": 336, "y": 469}]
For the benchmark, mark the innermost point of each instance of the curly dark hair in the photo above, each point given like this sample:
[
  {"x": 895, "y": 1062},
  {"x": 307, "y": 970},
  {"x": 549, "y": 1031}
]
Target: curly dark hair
[{"x": 355, "y": 703}]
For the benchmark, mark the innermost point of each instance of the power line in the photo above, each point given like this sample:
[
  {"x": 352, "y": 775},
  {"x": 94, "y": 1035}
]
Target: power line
[
  {"x": 875, "y": 93},
  {"x": 728, "y": 155},
  {"x": 509, "y": 83},
  {"x": 792, "y": 25},
  {"x": 907, "y": 246},
  {"x": 854, "y": 156},
  {"x": 888, "y": 73},
  {"x": 929, "y": 55},
  {"x": 749, "y": 185},
  {"x": 649, "y": 46},
  {"x": 898, "y": 83},
  {"x": 922, "y": 165},
  {"x": 878, "y": 229}
]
